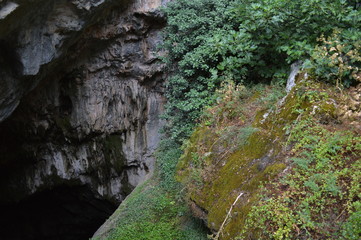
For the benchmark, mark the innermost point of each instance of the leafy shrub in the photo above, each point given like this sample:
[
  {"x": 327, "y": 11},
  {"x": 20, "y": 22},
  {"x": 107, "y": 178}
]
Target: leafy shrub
[
  {"x": 212, "y": 41},
  {"x": 338, "y": 58},
  {"x": 190, "y": 26}
]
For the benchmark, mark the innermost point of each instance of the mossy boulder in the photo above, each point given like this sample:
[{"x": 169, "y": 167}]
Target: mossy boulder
[{"x": 215, "y": 175}]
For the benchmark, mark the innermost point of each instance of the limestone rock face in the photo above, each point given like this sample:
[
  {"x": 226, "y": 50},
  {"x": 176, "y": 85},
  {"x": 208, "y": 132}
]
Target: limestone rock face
[{"x": 80, "y": 95}]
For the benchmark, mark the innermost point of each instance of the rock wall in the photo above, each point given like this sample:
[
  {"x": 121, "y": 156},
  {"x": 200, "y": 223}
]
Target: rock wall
[{"x": 80, "y": 95}]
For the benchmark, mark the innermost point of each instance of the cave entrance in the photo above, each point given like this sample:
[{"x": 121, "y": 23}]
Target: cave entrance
[{"x": 63, "y": 213}]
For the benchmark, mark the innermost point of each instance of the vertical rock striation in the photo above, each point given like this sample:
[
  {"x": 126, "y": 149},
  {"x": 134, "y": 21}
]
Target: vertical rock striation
[{"x": 80, "y": 95}]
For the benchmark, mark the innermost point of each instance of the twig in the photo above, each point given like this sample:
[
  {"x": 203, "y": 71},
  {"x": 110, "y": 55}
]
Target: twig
[
  {"x": 225, "y": 220},
  {"x": 289, "y": 137},
  {"x": 340, "y": 215},
  {"x": 221, "y": 157},
  {"x": 210, "y": 149}
]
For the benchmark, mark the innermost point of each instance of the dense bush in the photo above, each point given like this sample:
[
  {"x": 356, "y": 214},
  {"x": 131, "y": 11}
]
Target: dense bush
[
  {"x": 337, "y": 59},
  {"x": 191, "y": 25},
  {"x": 209, "y": 41}
]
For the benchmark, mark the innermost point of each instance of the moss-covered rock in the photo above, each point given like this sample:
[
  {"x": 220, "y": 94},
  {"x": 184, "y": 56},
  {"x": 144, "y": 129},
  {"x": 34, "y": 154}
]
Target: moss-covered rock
[{"x": 215, "y": 173}]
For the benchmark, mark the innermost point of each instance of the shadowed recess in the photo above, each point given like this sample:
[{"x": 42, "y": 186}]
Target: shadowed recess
[{"x": 66, "y": 213}]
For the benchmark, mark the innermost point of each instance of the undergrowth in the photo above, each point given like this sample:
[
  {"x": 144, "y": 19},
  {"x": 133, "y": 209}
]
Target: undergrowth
[
  {"x": 252, "y": 41},
  {"x": 225, "y": 127},
  {"x": 320, "y": 197},
  {"x": 151, "y": 212},
  {"x": 211, "y": 41}
]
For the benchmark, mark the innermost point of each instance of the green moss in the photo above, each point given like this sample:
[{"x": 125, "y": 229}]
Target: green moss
[
  {"x": 260, "y": 160},
  {"x": 151, "y": 213},
  {"x": 202, "y": 136},
  {"x": 243, "y": 170},
  {"x": 306, "y": 203},
  {"x": 241, "y": 173}
]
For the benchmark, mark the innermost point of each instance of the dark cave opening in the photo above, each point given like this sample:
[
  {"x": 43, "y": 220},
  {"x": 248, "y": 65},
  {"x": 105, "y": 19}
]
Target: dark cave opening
[
  {"x": 9, "y": 59},
  {"x": 66, "y": 213}
]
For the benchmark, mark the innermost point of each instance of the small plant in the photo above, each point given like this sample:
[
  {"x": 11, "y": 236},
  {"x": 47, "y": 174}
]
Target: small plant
[
  {"x": 152, "y": 213},
  {"x": 337, "y": 59},
  {"x": 320, "y": 197}
]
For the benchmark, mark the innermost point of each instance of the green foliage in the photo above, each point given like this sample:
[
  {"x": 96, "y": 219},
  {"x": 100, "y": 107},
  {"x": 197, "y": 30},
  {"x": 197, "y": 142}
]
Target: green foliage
[
  {"x": 228, "y": 154},
  {"x": 270, "y": 100},
  {"x": 212, "y": 41},
  {"x": 190, "y": 26},
  {"x": 320, "y": 198},
  {"x": 351, "y": 229},
  {"x": 151, "y": 213},
  {"x": 289, "y": 29},
  {"x": 235, "y": 137},
  {"x": 338, "y": 58},
  {"x": 168, "y": 153}
]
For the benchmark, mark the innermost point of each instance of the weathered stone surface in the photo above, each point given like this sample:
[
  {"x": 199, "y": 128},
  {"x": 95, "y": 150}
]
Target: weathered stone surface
[
  {"x": 33, "y": 34},
  {"x": 90, "y": 86},
  {"x": 291, "y": 81}
]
